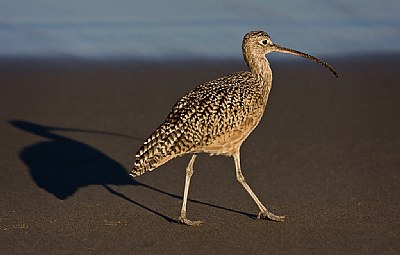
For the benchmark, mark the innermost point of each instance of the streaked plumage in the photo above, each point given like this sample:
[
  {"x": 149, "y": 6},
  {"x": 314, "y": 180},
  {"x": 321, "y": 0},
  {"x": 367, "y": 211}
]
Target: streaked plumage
[
  {"x": 205, "y": 120},
  {"x": 216, "y": 117}
]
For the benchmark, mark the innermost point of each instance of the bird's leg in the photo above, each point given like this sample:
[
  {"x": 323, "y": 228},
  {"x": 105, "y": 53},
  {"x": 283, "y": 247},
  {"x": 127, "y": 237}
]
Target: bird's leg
[
  {"x": 264, "y": 213},
  {"x": 189, "y": 173}
]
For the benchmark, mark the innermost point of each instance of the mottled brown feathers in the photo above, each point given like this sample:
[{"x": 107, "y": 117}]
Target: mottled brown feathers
[
  {"x": 207, "y": 114},
  {"x": 215, "y": 117}
]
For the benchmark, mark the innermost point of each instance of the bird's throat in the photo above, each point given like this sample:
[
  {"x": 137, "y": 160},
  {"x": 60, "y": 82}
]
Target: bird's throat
[
  {"x": 262, "y": 69},
  {"x": 258, "y": 64}
]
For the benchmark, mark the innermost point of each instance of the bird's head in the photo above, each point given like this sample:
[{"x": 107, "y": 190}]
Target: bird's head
[{"x": 258, "y": 43}]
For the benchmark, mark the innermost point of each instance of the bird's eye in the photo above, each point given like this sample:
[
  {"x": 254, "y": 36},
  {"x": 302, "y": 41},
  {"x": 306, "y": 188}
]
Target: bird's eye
[{"x": 264, "y": 42}]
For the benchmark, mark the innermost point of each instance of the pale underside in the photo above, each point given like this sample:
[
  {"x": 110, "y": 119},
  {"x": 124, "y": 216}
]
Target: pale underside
[
  {"x": 215, "y": 117},
  {"x": 229, "y": 143}
]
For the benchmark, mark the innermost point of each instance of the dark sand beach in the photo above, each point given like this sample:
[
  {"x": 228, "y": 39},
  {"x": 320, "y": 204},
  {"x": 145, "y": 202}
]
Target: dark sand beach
[{"x": 326, "y": 154}]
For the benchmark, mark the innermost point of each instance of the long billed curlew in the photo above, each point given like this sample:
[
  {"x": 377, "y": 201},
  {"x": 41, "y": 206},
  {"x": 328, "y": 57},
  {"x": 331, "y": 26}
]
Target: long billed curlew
[{"x": 216, "y": 117}]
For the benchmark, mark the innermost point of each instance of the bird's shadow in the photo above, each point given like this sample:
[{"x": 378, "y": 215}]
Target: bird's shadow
[{"x": 61, "y": 165}]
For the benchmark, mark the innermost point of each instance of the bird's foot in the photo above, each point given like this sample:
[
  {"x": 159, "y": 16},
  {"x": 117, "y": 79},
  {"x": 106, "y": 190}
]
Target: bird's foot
[
  {"x": 188, "y": 222},
  {"x": 271, "y": 216}
]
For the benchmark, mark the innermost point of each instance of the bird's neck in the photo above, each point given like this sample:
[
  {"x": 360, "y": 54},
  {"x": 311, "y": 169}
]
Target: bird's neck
[{"x": 259, "y": 65}]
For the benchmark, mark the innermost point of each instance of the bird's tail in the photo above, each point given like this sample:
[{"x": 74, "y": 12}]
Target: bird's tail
[
  {"x": 145, "y": 160},
  {"x": 144, "y": 163},
  {"x": 157, "y": 150}
]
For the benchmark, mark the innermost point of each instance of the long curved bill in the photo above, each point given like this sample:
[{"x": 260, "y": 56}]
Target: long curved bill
[{"x": 278, "y": 48}]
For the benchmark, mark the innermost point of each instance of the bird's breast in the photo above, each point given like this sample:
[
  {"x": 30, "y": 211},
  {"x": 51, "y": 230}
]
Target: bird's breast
[{"x": 230, "y": 133}]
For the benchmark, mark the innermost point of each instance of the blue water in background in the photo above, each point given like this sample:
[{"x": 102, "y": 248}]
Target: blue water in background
[{"x": 194, "y": 29}]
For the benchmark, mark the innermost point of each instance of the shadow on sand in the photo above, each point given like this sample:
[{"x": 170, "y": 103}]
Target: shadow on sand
[{"x": 61, "y": 165}]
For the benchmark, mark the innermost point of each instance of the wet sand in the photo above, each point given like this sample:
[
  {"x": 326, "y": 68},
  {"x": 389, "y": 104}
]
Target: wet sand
[{"x": 326, "y": 154}]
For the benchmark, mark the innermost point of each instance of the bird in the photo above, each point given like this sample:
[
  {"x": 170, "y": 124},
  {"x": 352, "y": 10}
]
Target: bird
[{"x": 216, "y": 117}]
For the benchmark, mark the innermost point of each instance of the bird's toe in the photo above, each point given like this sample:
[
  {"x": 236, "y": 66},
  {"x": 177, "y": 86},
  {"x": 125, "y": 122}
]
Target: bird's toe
[
  {"x": 271, "y": 216},
  {"x": 188, "y": 222}
]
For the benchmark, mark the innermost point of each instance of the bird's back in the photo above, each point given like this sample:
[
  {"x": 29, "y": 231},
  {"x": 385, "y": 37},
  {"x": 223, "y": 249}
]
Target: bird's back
[{"x": 215, "y": 117}]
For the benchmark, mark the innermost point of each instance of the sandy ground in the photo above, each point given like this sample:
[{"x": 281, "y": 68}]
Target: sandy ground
[{"x": 326, "y": 154}]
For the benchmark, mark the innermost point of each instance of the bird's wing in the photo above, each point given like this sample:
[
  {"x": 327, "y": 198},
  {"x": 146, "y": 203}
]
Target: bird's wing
[{"x": 196, "y": 119}]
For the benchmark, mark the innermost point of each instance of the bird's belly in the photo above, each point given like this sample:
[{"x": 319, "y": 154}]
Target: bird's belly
[
  {"x": 229, "y": 142},
  {"x": 226, "y": 145}
]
